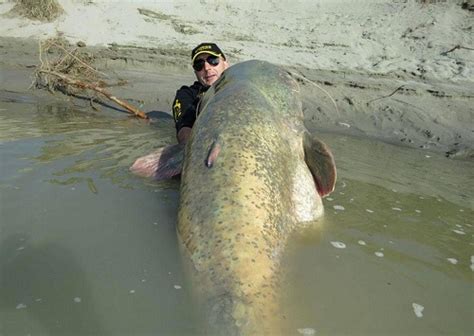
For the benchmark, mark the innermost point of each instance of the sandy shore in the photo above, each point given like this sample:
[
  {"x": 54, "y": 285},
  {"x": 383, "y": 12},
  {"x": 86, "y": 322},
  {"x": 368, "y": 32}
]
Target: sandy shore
[{"x": 399, "y": 71}]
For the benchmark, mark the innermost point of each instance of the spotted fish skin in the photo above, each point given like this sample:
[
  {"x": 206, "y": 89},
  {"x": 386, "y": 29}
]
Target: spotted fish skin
[{"x": 245, "y": 185}]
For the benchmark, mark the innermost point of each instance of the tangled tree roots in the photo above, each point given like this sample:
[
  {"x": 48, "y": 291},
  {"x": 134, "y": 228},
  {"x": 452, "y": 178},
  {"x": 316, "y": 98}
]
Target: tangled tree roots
[
  {"x": 67, "y": 69},
  {"x": 42, "y": 10},
  {"x": 56, "y": 55}
]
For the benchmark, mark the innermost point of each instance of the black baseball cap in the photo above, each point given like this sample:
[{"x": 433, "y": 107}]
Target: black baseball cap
[{"x": 208, "y": 48}]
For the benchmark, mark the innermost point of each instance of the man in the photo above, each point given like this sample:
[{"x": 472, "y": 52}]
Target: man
[{"x": 209, "y": 63}]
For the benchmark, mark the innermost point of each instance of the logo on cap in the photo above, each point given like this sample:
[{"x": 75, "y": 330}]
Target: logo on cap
[
  {"x": 204, "y": 47},
  {"x": 210, "y": 48}
]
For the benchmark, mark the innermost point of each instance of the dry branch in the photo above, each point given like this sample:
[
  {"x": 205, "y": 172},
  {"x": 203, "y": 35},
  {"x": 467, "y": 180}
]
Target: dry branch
[
  {"x": 386, "y": 96},
  {"x": 96, "y": 88},
  {"x": 454, "y": 48},
  {"x": 71, "y": 73}
]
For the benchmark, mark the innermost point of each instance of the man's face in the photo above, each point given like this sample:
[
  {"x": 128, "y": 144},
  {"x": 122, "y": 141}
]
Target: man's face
[{"x": 210, "y": 73}]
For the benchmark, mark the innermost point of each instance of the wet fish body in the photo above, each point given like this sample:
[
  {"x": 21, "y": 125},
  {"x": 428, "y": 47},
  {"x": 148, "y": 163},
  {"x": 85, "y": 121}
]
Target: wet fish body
[
  {"x": 246, "y": 184},
  {"x": 251, "y": 174}
]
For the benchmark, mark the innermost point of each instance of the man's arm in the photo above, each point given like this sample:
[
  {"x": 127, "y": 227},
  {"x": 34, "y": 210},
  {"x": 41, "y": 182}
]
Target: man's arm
[
  {"x": 183, "y": 135},
  {"x": 184, "y": 112}
]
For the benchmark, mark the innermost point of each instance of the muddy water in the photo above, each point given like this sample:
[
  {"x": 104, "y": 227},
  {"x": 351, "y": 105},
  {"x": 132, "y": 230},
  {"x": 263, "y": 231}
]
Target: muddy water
[
  {"x": 394, "y": 254},
  {"x": 87, "y": 248}
]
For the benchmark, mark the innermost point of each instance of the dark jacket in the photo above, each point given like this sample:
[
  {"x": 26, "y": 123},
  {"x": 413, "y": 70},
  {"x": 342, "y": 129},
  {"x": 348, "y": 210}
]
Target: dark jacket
[{"x": 185, "y": 105}]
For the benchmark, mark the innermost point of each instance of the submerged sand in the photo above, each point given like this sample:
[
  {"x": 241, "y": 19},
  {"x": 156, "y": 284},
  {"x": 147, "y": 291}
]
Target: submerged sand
[{"x": 399, "y": 71}]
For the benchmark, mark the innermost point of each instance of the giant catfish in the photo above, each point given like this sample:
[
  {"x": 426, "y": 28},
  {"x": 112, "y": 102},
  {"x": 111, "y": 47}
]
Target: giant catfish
[{"x": 251, "y": 174}]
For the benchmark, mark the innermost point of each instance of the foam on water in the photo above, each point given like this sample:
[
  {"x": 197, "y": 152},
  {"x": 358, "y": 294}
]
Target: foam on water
[
  {"x": 306, "y": 331},
  {"x": 339, "y": 245},
  {"x": 418, "y": 309}
]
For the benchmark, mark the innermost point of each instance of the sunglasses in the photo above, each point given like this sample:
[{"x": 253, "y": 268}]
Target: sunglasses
[{"x": 198, "y": 65}]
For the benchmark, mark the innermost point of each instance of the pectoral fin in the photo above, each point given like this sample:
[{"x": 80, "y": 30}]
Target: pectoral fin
[
  {"x": 321, "y": 163},
  {"x": 162, "y": 164},
  {"x": 214, "y": 151}
]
